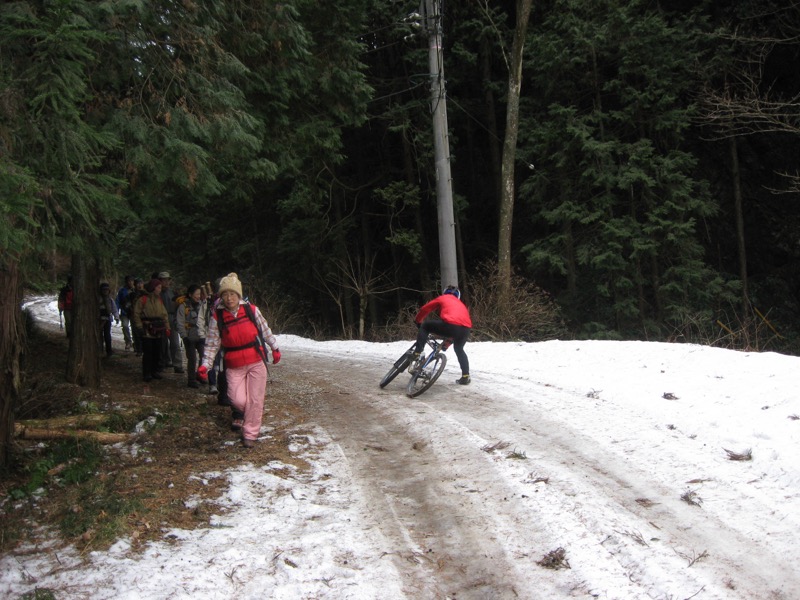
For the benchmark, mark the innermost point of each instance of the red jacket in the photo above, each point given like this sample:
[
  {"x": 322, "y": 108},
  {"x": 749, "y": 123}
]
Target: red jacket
[
  {"x": 450, "y": 309},
  {"x": 239, "y": 336}
]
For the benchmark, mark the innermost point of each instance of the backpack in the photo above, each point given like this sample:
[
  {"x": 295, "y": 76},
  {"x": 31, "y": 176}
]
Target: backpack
[
  {"x": 127, "y": 301},
  {"x": 259, "y": 343},
  {"x": 65, "y": 298}
]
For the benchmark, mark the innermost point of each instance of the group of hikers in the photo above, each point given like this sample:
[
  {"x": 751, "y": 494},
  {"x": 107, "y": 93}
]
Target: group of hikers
[{"x": 226, "y": 339}]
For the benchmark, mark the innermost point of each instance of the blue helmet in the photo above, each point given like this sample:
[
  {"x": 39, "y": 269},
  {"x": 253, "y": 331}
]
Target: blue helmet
[{"x": 451, "y": 289}]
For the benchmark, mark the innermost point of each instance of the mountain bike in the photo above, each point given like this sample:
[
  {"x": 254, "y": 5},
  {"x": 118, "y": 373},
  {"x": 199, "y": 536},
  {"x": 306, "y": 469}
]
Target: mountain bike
[{"x": 431, "y": 366}]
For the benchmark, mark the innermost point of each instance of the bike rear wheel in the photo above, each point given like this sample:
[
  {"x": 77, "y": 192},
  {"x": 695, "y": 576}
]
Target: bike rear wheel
[
  {"x": 400, "y": 365},
  {"x": 425, "y": 378}
]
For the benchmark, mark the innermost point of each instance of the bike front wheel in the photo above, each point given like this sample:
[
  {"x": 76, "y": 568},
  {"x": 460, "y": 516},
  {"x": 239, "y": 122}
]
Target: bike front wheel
[
  {"x": 400, "y": 365},
  {"x": 426, "y": 377}
]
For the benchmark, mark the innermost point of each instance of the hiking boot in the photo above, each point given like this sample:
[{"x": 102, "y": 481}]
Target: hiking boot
[
  {"x": 464, "y": 380},
  {"x": 212, "y": 390},
  {"x": 248, "y": 443},
  {"x": 416, "y": 362},
  {"x": 236, "y": 424}
]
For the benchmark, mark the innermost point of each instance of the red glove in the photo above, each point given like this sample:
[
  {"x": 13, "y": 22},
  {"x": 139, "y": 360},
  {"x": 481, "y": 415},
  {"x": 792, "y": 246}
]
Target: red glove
[
  {"x": 276, "y": 356},
  {"x": 169, "y": 333},
  {"x": 202, "y": 374}
]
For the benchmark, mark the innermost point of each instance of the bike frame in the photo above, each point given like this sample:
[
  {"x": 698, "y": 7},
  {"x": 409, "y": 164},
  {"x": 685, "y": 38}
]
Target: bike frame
[{"x": 429, "y": 371}]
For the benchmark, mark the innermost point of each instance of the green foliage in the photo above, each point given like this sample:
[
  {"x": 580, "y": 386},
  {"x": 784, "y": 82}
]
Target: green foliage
[
  {"x": 19, "y": 191},
  {"x": 623, "y": 221},
  {"x": 96, "y": 509},
  {"x": 399, "y": 199},
  {"x": 57, "y": 189},
  {"x": 39, "y": 594},
  {"x": 75, "y": 462},
  {"x": 282, "y": 140}
]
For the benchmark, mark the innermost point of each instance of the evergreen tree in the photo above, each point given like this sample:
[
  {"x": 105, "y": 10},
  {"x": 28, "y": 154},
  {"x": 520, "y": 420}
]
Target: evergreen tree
[
  {"x": 621, "y": 220},
  {"x": 56, "y": 190}
]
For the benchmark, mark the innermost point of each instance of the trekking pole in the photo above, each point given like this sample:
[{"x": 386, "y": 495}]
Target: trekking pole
[
  {"x": 721, "y": 324},
  {"x": 763, "y": 318}
]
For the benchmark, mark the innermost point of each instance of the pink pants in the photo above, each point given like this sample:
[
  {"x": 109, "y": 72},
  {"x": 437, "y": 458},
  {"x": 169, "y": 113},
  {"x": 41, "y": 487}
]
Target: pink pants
[{"x": 247, "y": 388}]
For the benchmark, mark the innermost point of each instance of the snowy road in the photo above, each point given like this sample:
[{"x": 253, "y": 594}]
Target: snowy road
[
  {"x": 613, "y": 453},
  {"x": 466, "y": 521}
]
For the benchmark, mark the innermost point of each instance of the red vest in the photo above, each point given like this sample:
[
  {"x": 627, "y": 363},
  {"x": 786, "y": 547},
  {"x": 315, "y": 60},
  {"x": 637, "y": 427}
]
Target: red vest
[{"x": 238, "y": 335}]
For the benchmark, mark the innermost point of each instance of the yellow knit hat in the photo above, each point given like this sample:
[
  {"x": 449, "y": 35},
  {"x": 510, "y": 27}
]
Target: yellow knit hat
[{"x": 230, "y": 283}]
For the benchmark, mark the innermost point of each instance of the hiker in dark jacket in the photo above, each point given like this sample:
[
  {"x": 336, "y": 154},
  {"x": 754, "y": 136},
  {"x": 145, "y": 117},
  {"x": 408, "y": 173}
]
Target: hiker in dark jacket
[{"x": 126, "y": 309}]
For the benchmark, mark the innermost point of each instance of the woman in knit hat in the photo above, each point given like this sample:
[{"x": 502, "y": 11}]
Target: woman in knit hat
[{"x": 238, "y": 328}]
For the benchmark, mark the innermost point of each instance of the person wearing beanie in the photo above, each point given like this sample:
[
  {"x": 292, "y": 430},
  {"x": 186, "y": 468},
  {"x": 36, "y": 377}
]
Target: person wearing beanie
[
  {"x": 242, "y": 332},
  {"x": 230, "y": 283},
  {"x": 151, "y": 318}
]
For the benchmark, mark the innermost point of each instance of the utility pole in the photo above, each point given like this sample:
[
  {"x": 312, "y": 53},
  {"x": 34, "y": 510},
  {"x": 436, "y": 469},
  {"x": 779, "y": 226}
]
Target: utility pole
[{"x": 432, "y": 21}]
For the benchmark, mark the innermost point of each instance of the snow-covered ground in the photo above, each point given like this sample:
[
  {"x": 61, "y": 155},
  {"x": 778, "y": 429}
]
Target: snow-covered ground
[{"x": 660, "y": 420}]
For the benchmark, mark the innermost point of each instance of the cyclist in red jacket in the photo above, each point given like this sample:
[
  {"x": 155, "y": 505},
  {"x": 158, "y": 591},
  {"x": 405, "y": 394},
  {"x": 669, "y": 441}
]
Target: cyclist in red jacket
[{"x": 453, "y": 322}]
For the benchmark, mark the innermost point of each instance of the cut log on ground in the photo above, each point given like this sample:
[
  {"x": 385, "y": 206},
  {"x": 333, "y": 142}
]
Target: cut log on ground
[
  {"x": 68, "y": 422},
  {"x": 34, "y": 433}
]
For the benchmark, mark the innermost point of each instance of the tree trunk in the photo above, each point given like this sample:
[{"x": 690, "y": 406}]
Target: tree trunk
[
  {"x": 12, "y": 339},
  {"x": 571, "y": 260},
  {"x": 83, "y": 359},
  {"x": 738, "y": 212},
  {"x": 510, "y": 147}
]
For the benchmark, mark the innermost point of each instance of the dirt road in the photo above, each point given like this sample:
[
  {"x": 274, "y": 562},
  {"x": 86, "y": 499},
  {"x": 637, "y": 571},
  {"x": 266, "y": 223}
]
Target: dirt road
[{"x": 477, "y": 494}]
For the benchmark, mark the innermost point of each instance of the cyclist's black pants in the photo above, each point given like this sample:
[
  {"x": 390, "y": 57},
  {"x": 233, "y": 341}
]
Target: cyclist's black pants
[{"x": 447, "y": 330}]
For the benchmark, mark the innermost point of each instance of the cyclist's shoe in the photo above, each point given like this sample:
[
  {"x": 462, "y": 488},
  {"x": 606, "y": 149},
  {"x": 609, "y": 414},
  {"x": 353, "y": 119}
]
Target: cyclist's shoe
[
  {"x": 416, "y": 362},
  {"x": 464, "y": 380}
]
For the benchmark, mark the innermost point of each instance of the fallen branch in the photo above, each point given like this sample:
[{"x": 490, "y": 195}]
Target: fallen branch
[
  {"x": 69, "y": 422},
  {"x": 744, "y": 455},
  {"x": 33, "y": 433}
]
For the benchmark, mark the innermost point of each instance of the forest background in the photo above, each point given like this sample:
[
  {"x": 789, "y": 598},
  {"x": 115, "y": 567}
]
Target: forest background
[{"x": 652, "y": 180}]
